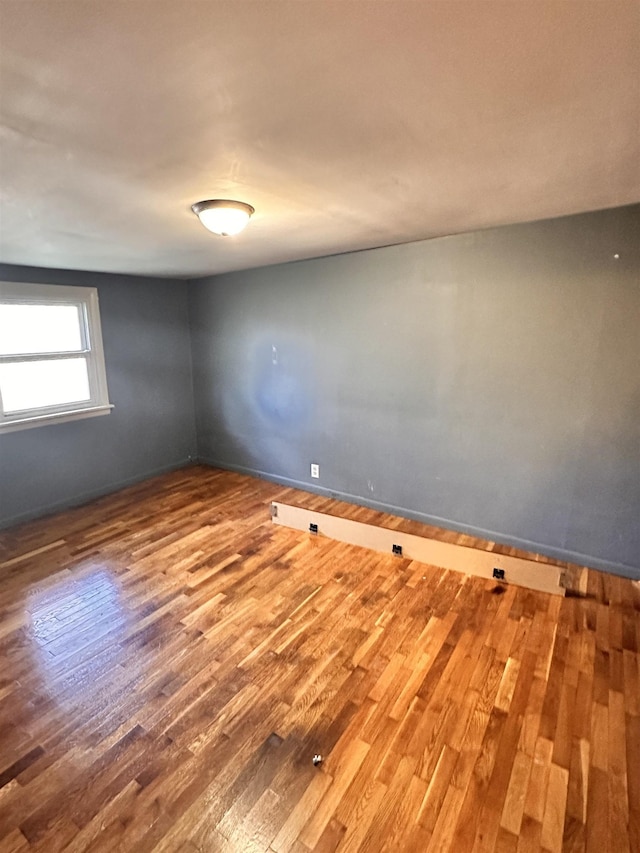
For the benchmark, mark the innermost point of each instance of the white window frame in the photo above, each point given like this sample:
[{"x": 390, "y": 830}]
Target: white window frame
[{"x": 86, "y": 300}]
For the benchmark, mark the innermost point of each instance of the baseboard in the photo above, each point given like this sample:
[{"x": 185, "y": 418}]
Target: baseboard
[
  {"x": 77, "y": 500},
  {"x": 543, "y": 577},
  {"x": 553, "y": 553}
]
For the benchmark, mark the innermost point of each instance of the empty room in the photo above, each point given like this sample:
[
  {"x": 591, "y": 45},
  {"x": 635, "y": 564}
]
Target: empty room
[{"x": 320, "y": 426}]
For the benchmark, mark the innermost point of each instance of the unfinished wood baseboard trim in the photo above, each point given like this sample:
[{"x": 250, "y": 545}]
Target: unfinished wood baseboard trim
[{"x": 445, "y": 555}]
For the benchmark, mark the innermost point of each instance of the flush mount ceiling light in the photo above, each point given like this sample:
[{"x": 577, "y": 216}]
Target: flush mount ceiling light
[{"x": 222, "y": 216}]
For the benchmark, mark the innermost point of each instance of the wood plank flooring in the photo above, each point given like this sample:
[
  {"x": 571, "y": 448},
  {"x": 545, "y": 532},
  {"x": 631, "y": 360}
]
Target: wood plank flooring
[{"x": 170, "y": 662}]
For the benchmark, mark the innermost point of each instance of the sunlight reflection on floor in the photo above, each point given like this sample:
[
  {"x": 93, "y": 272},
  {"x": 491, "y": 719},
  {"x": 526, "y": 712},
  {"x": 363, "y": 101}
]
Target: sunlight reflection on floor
[{"x": 67, "y": 620}]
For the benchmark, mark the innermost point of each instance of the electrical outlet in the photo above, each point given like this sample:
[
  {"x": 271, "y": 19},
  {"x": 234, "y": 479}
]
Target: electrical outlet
[
  {"x": 498, "y": 574},
  {"x": 315, "y": 469}
]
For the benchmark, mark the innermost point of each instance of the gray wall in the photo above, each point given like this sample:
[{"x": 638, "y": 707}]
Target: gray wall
[
  {"x": 488, "y": 382},
  {"x": 151, "y": 429}
]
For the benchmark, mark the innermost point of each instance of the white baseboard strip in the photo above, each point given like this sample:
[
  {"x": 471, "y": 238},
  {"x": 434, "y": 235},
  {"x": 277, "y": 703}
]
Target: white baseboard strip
[{"x": 445, "y": 555}]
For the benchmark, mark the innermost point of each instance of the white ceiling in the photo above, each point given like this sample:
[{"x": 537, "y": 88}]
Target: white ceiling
[{"x": 346, "y": 124}]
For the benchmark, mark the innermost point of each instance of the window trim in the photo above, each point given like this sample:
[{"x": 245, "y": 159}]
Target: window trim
[{"x": 86, "y": 300}]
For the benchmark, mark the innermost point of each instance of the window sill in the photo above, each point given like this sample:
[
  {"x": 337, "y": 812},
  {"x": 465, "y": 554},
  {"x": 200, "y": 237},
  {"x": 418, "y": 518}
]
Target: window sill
[{"x": 57, "y": 418}]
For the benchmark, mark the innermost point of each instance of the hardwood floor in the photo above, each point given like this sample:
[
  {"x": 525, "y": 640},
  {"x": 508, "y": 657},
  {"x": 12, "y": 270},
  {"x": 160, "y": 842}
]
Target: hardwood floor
[{"x": 171, "y": 662}]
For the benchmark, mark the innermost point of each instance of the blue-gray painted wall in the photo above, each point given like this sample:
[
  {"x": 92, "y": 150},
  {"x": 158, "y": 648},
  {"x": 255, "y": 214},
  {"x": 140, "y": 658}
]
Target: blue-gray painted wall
[
  {"x": 151, "y": 429},
  {"x": 489, "y": 382}
]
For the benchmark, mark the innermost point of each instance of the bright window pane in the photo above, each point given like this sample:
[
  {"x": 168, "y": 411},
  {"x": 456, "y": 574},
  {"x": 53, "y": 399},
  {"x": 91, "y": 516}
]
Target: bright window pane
[
  {"x": 38, "y": 384},
  {"x": 39, "y": 328}
]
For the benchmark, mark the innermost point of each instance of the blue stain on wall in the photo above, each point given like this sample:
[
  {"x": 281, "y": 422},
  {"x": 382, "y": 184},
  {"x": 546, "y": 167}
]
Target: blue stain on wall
[{"x": 282, "y": 384}]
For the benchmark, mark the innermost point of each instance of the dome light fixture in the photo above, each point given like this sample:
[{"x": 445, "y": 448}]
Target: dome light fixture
[{"x": 223, "y": 216}]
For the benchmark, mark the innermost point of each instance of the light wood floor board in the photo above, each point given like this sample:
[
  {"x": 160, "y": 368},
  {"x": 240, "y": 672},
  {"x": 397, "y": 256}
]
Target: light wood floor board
[{"x": 170, "y": 661}]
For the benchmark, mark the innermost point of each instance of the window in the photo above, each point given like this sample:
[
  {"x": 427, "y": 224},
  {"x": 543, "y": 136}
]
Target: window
[{"x": 51, "y": 358}]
